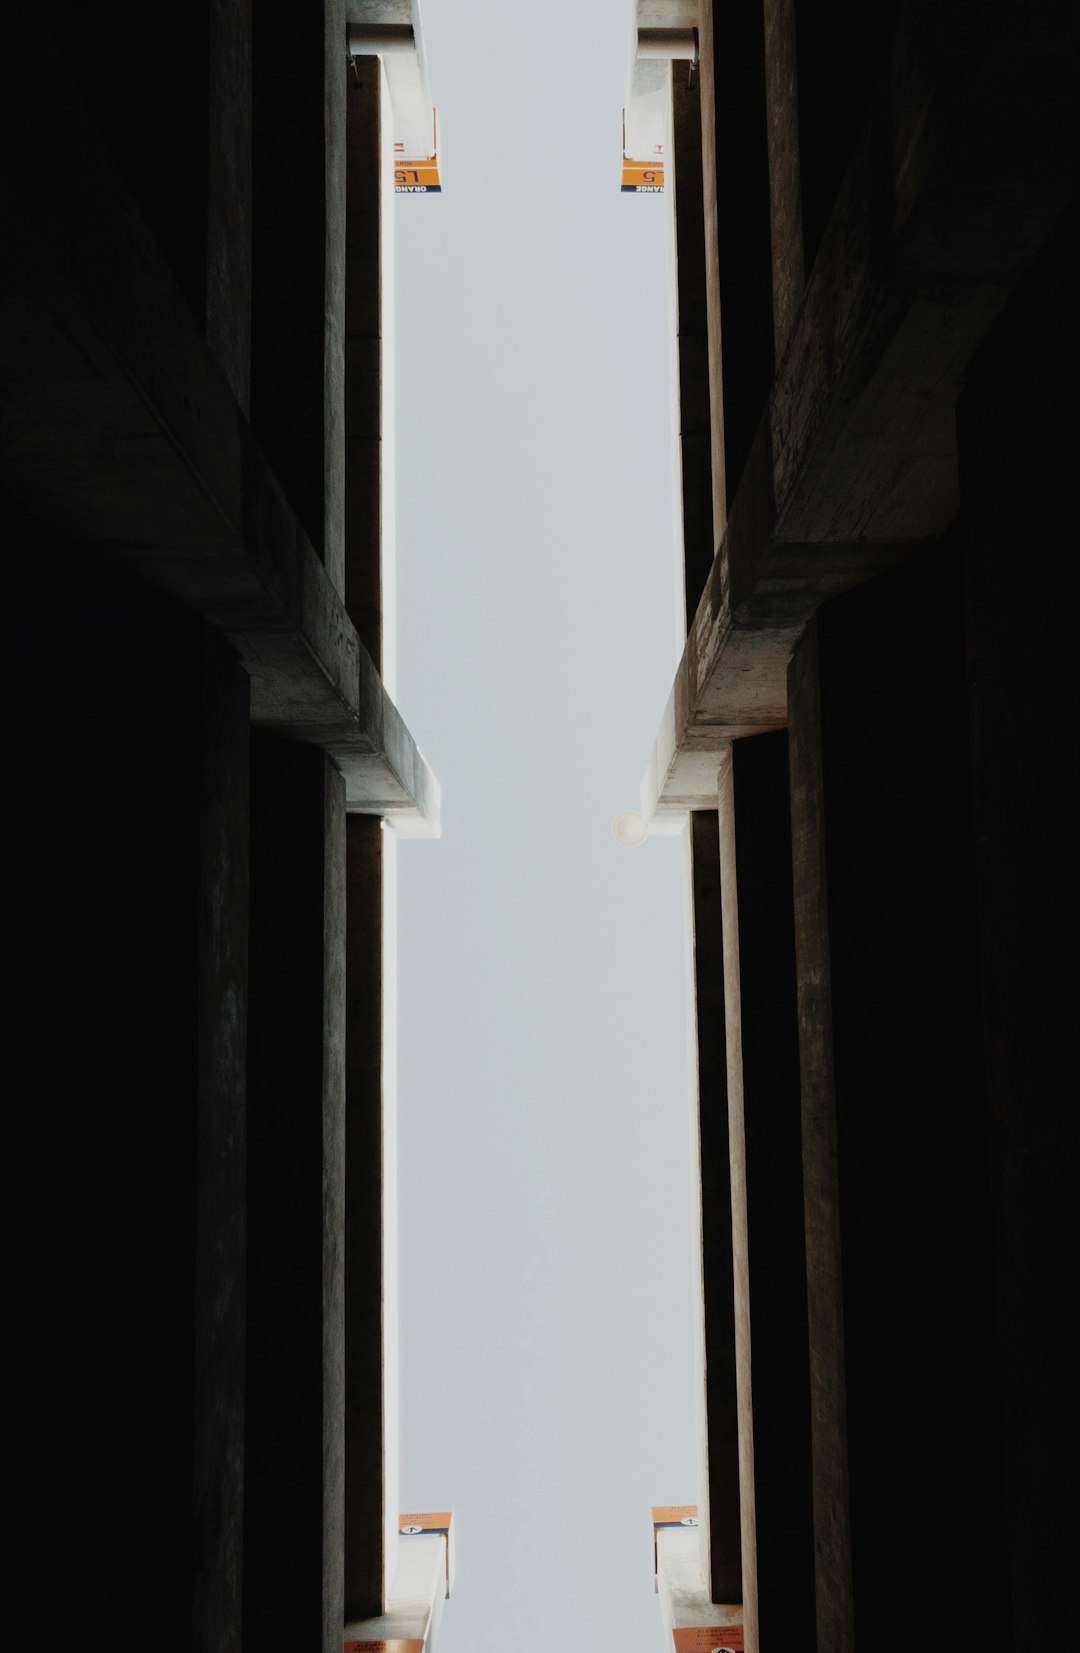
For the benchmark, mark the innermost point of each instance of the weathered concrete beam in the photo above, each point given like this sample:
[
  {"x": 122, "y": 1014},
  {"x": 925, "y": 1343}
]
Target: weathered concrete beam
[
  {"x": 121, "y": 434},
  {"x": 820, "y": 1159},
  {"x": 414, "y": 1610},
  {"x": 691, "y": 1617},
  {"x": 694, "y": 450},
  {"x": 293, "y": 1565},
  {"x": 854, "y": 462},
  {"x": 720, "y": 1488}
]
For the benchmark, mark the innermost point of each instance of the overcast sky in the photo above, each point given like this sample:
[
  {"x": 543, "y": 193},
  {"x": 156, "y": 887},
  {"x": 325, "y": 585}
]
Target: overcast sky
[{"x": 546, "y": 1268}]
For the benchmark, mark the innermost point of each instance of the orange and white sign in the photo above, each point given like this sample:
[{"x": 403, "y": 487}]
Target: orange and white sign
[
  {"x": 433, "y": 1521},
  {"x": 643, "y": 177},
  {"x": 420, "y": 177},
  {"x": 711, "y": 1638},
  {"x": 670, "y": 1515},
  {"x": 674, "y": 1515},
  {"x": 427, "y": 1521},
  {"x": 383, "y": 1647}
]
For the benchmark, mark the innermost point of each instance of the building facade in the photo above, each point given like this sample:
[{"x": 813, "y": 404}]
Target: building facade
[
  {"x": 203, "y": 755},
  {"x": 871, "y": 735}
]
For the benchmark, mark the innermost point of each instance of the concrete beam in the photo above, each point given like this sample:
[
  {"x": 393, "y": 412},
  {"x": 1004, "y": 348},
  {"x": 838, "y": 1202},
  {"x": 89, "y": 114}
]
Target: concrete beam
[
  {"x": 369, "y": 471},
  {"x": 767, "y": 1203},
  {"x": 221, "y": 1172},
  {"x": 1018, "y": 483},
  {"x": 785, "y": 202},
  {"x": 371, "y": 1444},
  {"x": 293, "y": 1580},
  {"x": 229, "y": 192},
  {"x": 729, "y": 901},
  {"x": 414, "y": 1610},
  {"x": 854, "y": 460},
  {"x": 821, "y": 1173},
  {"x": 693, "y": 1621},
  {"x": 720, "y": 1512},
  {"x": 693, "y": 451},
  {"x": 298, "y": 252},
  {"x": 122, "y": 436},
  {"x": 391, "y": 30}
]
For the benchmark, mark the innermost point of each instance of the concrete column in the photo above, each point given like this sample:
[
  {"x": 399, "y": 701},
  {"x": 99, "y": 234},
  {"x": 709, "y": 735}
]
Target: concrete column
[
  {"x": 369, "y": 228},
  {"x": 228, "y": 230},
  {"x": 712, "y": 269},
  {"x": 720, "y": 1512},
  {"x": 366, "y": 1307},
  {"x": 692, "y": 345},
  {"x": 221, "y": 1170},
  {"x": 824, "y": 1279},
  {"x": 1015, "y": 469},
  {"x": 900, "y": 1247},
  {"x": 735, "y": 174},
  {"x": 294, "y": 1526},
  {"x": 839, "y": 52},
  {"x": 370, "y": 1273},
  {"x": 100, "y": 1071},
  {"x": 298, "y": 228},
  {"x": 729, "y": 901},
  {"x": 785, "y": 196},
  {"x": 142, "y": 74},
  {"x": 770, "y": 1284}
]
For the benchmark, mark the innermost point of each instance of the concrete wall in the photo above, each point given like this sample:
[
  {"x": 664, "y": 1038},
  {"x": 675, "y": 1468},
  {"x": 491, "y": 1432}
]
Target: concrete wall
[
  {"x": 876, "y": 664},
  {"x": 199, "y": 944}
]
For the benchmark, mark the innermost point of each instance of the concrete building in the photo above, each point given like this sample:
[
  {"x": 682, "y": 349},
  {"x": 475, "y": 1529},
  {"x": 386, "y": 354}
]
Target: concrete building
[
  {"x": 870, "y": 735},
  {"x": 203, "y": 754}
]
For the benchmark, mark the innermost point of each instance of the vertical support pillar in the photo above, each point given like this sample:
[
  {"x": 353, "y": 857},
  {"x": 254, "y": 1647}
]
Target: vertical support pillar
[
  {"x": 785, "y": 189},
  {"x": 902, "y": 1327},
  {"x": 221, "y": 1171},
  {"x": 333, "y": 1209},
  {"x": 720, "y": 1511},
  {"x": 293, "y": 1530},
  {"x": 366, "y": 438},
  {"x": 370, "y": 1286},
  {"x": 821, "y": 1172},
  {"x": 692, "y": 346},
  {"x": 1016, "y": 461},
  {"x": 334, "y": 176},
  {"x": 748, "y": 1593},
  {"x": 100, "y": 1069},
  {"x": 712, "y": 267},
  {"x": 228, "y": 234},
  {"x": 365, "y": 1227},
  {"x": 770, "y": 1282},
  {"x": 298, "y": 275},
  {"x": 840, "y": 49},
  {"x": 156, "y": 120},
  {"x": 735, "y": 174}
]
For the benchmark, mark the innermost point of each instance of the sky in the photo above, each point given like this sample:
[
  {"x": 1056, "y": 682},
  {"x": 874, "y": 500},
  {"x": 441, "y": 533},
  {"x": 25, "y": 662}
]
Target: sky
[{"x": 546, "y": 1251}]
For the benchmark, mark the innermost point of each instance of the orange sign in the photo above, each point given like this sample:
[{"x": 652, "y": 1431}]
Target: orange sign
[
  {"x": 383, "y": 1647},
  {"x": 417, "y": 177},
  {"x": 710, "y": 1638},
  {"x": 672, "y": 1515},
  {"x": 642, "y": 177}
]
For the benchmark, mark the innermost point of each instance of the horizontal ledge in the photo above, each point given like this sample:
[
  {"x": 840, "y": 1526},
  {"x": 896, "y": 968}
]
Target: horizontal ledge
[
  {"x": 853, "y": 466},
  {"x": 122, "y": 437}
]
